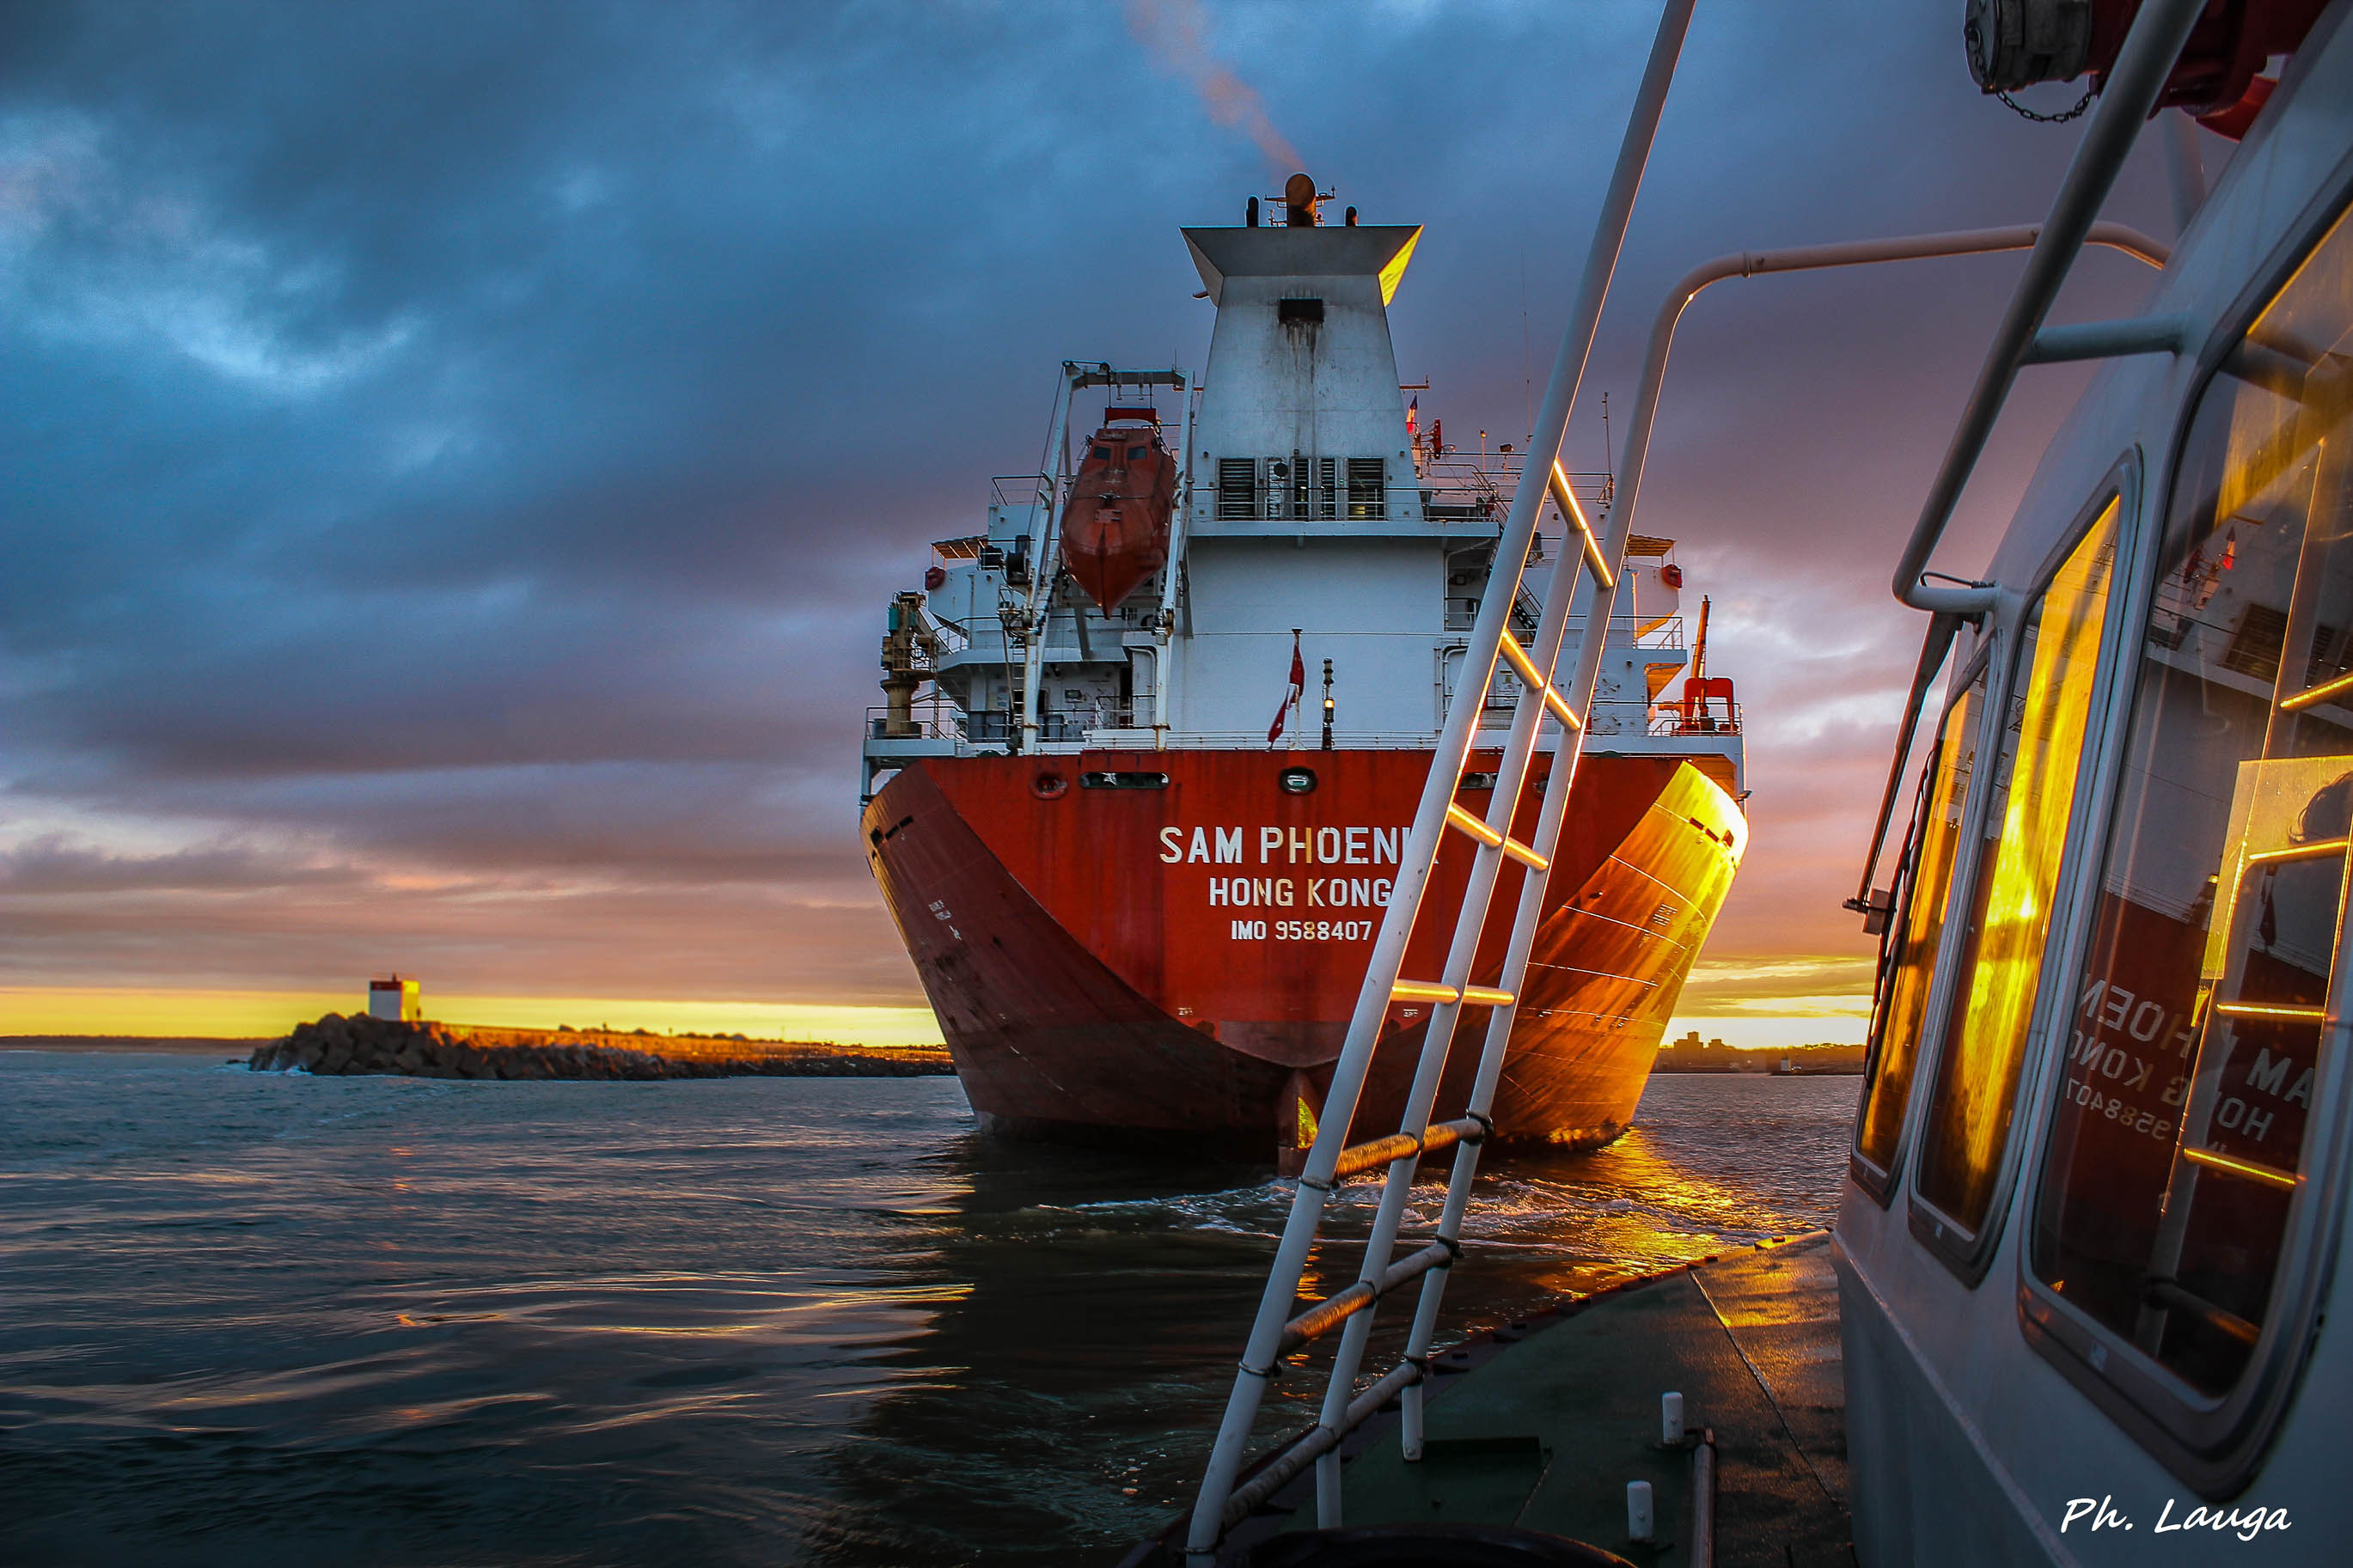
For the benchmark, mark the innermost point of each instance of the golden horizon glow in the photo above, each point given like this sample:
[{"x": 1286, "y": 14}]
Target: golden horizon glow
[
  {"x": 1743, "y": 1023},
  {"x": 1765, "y": 1033},
  {"x": 201, "y": 1014}
]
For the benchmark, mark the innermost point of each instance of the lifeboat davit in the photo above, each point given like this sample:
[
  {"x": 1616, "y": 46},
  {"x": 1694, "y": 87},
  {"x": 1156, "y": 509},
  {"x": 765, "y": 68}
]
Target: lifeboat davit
[{"x": 1115, "y": 524}]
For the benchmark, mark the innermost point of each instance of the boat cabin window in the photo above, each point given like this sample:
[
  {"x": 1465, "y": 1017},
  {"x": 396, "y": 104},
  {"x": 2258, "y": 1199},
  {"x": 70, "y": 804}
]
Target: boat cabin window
[
  {"x": 1103, "y": 454},
  {"x": 1973, "y": 1086},
  {"x": 1901, "y": 1006},
  {"x": 1136, "y": 453},
  {"x": 2179, "y": 1148}
]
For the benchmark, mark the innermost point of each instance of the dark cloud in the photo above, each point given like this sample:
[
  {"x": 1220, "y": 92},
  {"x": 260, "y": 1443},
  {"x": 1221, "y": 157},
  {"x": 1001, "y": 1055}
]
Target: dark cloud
[{"x": 453, "y": 457}]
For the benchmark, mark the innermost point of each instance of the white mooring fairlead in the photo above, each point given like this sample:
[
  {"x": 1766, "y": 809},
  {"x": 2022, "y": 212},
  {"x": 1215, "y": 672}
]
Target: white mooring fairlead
[{"x": 1586, "y": 581}]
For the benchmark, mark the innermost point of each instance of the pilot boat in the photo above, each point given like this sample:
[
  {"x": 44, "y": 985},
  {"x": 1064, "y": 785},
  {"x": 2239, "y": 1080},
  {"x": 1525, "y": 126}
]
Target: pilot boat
[{"x": 2084, "y": 1296}]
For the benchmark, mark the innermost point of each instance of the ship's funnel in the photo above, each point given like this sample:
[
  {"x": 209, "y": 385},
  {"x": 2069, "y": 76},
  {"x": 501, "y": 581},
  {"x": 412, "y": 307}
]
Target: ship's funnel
[{"x": 1299, "y": 195}]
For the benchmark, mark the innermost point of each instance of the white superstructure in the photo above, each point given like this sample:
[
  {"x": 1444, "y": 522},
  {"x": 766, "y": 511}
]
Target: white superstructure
[{"x": 1310, "y": 515}]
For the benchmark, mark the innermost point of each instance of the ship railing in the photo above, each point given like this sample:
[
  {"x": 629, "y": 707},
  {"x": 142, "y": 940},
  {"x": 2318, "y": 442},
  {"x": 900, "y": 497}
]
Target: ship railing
[
  {"x": 941, "y": 719},
  {"x": 928, "y": 720},
  {"x": 1461, "y": 487},
  {"x": 1667, "y": 633},
  {"x": 1606, "y": 716},
  {"x": 1628, "y": 630},
  {"x": 1342, "y": 503},
  {"x": 954, "y": 637},
  {"x": 1307, "y": 740},
  {"x": 996, "y": 726},
  {"x": 1680, "y": 724},
  {"x": 1022, "y": 490},
  {"x": 1281, "y": 1328},
  {"x": 1086, "y": 728}
]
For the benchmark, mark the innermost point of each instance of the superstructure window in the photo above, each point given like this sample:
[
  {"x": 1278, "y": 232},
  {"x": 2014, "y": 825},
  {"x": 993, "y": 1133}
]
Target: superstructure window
[
  {"x": 1367, "y": 488},
  {"x": 1238, "y": 487},
  {"x": 1973, "y": 1087},
  {"x": 1902, "y": 1006},
  {"x": 2174, "y": 1183}
]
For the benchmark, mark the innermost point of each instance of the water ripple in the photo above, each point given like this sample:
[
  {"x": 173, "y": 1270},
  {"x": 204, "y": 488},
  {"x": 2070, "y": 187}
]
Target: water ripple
[{"x": 268, "y": 1317}]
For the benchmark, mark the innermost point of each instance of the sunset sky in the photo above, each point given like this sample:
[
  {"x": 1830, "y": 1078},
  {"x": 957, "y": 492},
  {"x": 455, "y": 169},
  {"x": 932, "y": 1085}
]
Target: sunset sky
[{"x": 454, "y": 459}]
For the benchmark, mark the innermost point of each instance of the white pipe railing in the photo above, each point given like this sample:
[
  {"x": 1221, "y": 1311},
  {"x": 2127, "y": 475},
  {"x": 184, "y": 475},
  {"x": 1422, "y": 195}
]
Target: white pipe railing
[
  {"x": 1214, "y": 1508},
  {"x": 2128, "y": 94}
]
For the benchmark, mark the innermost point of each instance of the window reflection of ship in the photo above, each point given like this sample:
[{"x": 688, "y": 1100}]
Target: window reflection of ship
[
  {"x": 2192, "y": 1060},
  {"x": 2233, "y": 1057}
]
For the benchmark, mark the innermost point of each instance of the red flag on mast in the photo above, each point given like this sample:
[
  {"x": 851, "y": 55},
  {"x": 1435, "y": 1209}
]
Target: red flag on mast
[{"x": 1298, "y": 685}]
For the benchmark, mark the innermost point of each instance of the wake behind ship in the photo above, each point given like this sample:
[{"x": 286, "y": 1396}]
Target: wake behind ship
[{"x": 1153, "y": 741}]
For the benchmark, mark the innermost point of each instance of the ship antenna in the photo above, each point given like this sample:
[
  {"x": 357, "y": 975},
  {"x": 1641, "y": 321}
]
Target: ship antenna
[{"x": 1608, "y": 462}]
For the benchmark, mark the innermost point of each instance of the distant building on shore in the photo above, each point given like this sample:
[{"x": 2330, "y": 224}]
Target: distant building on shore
[
  {"x": 1690, "y": 1054},
  {"x": 395, "y": 998}
]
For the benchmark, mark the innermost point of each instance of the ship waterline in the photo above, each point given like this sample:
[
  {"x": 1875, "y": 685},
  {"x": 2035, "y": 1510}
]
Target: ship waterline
[{"x": 1172, "y": 942}]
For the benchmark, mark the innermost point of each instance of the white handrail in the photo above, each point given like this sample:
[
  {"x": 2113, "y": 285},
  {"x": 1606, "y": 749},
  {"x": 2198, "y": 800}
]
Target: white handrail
[{"x": 1211, "y": 1509}]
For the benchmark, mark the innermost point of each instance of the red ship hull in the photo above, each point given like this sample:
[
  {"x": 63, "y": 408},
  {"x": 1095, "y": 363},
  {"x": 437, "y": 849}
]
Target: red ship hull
[{"x": 1179, "y": 950}]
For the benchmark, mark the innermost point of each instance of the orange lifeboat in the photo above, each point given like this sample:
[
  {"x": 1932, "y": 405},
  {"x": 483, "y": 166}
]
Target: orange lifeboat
[{"x": 1115, "y": 525}]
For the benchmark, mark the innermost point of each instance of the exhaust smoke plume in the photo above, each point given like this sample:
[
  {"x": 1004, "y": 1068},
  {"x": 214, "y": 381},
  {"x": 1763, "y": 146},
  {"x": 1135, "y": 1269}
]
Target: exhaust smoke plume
[{"x": 1173, "y": 30}]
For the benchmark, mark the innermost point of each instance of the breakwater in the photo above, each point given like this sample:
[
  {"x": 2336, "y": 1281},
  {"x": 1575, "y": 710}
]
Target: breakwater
[{"x": 337, "y": 1046}]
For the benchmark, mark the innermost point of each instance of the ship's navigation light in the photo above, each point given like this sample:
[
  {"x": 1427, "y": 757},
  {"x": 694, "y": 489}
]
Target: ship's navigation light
[{"x": 1297, "y": 781}]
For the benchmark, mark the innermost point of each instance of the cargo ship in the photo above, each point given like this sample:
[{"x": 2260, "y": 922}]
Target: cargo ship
[{"x": 1153, "y": 738}]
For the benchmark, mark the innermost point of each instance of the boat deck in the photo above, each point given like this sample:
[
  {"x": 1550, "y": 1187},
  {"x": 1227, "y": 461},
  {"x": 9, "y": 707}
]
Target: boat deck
[{"x": 1541, "y": 1425}]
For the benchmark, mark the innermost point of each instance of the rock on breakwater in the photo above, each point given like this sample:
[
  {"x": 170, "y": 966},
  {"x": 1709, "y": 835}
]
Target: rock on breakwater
[{"x": 339, "y": 1046}]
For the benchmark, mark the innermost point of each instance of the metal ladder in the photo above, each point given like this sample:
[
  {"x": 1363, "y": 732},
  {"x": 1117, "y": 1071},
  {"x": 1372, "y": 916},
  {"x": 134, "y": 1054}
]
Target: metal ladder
[{"x": 1585, "y": 582}]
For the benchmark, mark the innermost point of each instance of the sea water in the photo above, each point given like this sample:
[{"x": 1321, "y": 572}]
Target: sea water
[{"x": 259, "y": 1318}]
